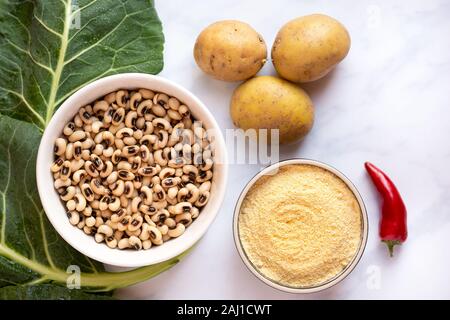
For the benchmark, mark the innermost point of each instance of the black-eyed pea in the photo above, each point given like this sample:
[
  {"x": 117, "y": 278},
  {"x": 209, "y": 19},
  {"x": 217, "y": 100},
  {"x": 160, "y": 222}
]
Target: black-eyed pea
[
  {"x": 106, "y": 230},
  {"x": 118, "y": 188},
  {"x": 87, "y": 212},
  {"x": 148, "y": 140},
  {"x": 158, "y": 193},
  {"x": 170, "y": 182},
  {"x": 114, "y": 204},
  {"x": 159, "y": 158},
  {"x": 104, "y": 202},
  {"x": 60, "y": 146},
  {"x": 146, "y": 195},
  {"x": 108, "y": 152},
  {"x": 112, "y": 242},
  {"x": 202, "y": 199},
  {"x": 163, "y": 229},
  {"x": 135, "y": 204},
  {"x": 145, "y": 234},
  {"x": 177, "y": 231},
  {"x": 107, "y": 169},
  {"x": 174, "y": 115},
  {"x": 59, "y": 183},
  {"x": 135, "y": 223},
  {"x": 75, "y": 165},
  {"x": 136, "y": 164},
  {"x": 118, "y": 116},
  {"x": 144, "y": 108},
  {"x": 130, "y": 119},
  {"x": 97, "y": 187},
  {"x": 147, "y": 210},
  {"x": 154, "y": 181},
  {"x": 124, "y": 165},
  {"x": 135, "y": 99},
  {"x": 128, "y": 189},
  {"x": 69, "y": 128},
  {"x": 74, "y": 217},
  {"x": 160, "y": 216},
  {"x": 135, "y": 243},
  {"x": 97, "y": 161},
  {"x": 129, "y": 151},
  {"x": 147, "y": 128},
  {"x": 146, "y": 94},
  {"x": 124, "y": 132},
  {"x": 113, "y": 225},
  {"x": 90, "y": 221},
  {"x": 77, "y": 136},
  {"x": 125, "y": 175},
  {"x": 205, "y": 186},
  {"x": 161, "y": 124},
  {"x": 194, "y": 212},
  {"x": 118, "y": 215},
  {"x": 170, "y": 223},
  {"x": 101, "y": 105},
  {"x": 82, "y": 222},
  {"x": 155, "y": 235},
  {"x": 108, "y": 115},
  {"x": 183, "y": 207},
  {"x": 65, "y": 170},
  {"x": 95, "y": 204},
  {"x": 123, "y": 243},
  {"x": 123, "y": 201},
  {"x": 162, "y": 139},
  {"x": 148, "y": 171},
  {"x": 106, "y": 214},
  {"x": 187, "y": 122},
  {"x": 90, "y": 169},
  {"x": 184, "y": 111},
  {"x": 118, "y": 234},
  {"x": 146, "y": 244},
  {"x": 207, "y": 164},
  {"x": 80, "y": 202},
  {"x": 87, "y": 192},
  {"x": 107, "y": 138},
  {"x": 122, "y": 225},
  {"x": 85, "y": 155},
  {"x": 98, "y": 149},
  {"x": 161, "y": 99},
  {"x": 204, "y": 176},
  {"x": 172, "y": 201},
  {"x": 99, "y": 238},
  {"x": 69, "y": 151},
  {"x": 67, "y": 193},
  {"x": 122, "y": 98},
  {"x": 57, "y": 165},
  {"x": 138, "y": 133},
  {"x": 184, "y": 218},
  {"x": 77, "y": 150},
  {"x": 166, "y": 172},
  {"x": 144, "y": 153},
  {"x": 129, "y": 141},
  {"x": 98, "y": 221},
  {"x": 85, "y": 116},
  {"x": 172, "y": 193}
]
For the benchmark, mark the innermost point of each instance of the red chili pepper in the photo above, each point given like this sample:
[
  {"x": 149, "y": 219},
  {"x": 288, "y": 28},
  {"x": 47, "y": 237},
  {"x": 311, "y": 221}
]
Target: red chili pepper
[{"x": 393, "y": 229}]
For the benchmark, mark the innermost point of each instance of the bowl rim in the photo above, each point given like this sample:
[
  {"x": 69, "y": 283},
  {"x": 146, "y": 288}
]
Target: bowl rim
[
  {"x": 121, "y": 80},
  {"x": 337, "y": 278}
]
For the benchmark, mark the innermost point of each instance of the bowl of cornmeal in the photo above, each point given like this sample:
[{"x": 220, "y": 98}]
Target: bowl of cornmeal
[{"x": 300, "y": 226}]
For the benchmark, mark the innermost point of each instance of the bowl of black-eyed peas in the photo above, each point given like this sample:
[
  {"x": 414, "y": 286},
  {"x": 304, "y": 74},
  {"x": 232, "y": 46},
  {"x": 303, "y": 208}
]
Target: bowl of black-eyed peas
[{"x": 131, "y": 170}]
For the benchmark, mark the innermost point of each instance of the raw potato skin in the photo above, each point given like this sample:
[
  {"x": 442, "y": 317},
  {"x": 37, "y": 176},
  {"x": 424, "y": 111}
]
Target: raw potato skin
[
  {"x": 230, "y": 50},
  {"x": 307, "y": 48},
  {"x": 268, "y": 102}
]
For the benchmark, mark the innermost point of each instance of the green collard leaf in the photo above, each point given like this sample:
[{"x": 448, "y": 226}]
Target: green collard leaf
[
  {"x": 47, "y": 292},
  {"x": 51, "y": 48}
]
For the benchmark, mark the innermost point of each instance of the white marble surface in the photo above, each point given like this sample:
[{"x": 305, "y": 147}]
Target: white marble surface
[{"x": 387, "y": 102}]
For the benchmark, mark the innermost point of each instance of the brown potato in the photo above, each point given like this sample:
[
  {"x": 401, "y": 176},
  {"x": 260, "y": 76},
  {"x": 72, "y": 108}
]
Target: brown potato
[
  {"x": 307, "y": 48},
  {"x": 268, "y": 102},
  {"x": 230, "y": 50}
]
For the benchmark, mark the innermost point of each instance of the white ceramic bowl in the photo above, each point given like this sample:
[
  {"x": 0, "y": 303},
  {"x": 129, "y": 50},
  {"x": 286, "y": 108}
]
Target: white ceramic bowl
[
  {"x": 331, "y": 282},
  {"x": 55, "y": 209}
]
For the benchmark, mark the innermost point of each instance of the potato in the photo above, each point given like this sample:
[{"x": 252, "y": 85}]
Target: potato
[
  {"x": 307, "y": 48},
  {"x": 268, "y": 102},
  {"x": 230, "y": 50}
]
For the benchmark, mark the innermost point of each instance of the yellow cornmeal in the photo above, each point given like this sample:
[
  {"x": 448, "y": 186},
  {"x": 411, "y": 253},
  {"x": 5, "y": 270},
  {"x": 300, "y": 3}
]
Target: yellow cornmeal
[{"x": 301, "y": 226}]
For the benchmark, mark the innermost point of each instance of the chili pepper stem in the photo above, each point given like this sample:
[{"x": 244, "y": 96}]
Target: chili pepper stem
[{"x": 390, "y": 244}]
